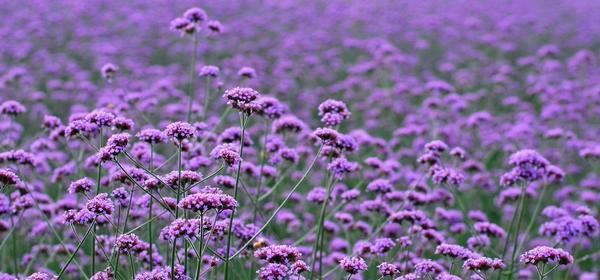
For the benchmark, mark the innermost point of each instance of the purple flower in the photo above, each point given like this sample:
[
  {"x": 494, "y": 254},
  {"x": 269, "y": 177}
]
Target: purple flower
[
  {"x": 333, "y": 112},
  {"x": 227, "y": 153},
  {"x": 82, "y": 185},
  {"x": 380, "y": 186},
  {"x": 12, "y": 108},
  {"x": 288, "y": 124},
  {"x": 528, "y": 165},
  {"x": 273, "y": 271},
  {"x": 545, "y": 254},
  {"x": 353, "y": 265},
  {"x": 195, "y": 14},
  {"x": 483, "y": 264},
  {"x": 489, "y": 229},
  {"x": 327, "y": 135},
  {"x": 436, "y": 146},
  {"x": 243, "y": 99},
  {"x": 180, "y": 131},
  {"x": 100, "y": 205},
  {"x": 107, "y": 274},
  {"x": 8, "y": 177},
  {"x": 152, "y": 136},
  {"x": 126, "y": 242},
  {"x": 108, "y": 71},
  {"x": 387, "y": 269},
  {"x": 455, "y": 251},
  {"x": 341, "y": 166},
  {"x": 202, "y": 202},
  {"x": 283, "y": 254},
  {"x": 270, "y": 107},
  {"x": 428, "y": 268},
  {"x": 40, "y": 276},
  {"x": 247, "y": 72},
  {"x": 115, "y": 145},
  {"x": 209, "y": 71},
  {"x": 100, "y": 118}
]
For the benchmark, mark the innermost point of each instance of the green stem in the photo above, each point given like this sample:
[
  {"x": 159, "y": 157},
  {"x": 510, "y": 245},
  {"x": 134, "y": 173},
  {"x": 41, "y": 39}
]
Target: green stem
[
  {"x": 192, "y": 89},
  {"x": 174, "y": 249},
  {"x": 206, "y": 98},
  {"x": 14, "y": 246},
  {"x": 98, "y": 179},
  {"x": 321, "y": 233},
  {"x": 199, "y": 261},
  {"x": 150, "y": 235},
  {"x": 533, "y": 219},
  {"x": 132, "y": 266},
  {"x": 521, "y": 212},
  {"x": 239, "y": 251},
  {"x": 262, "y": 165},
  {"x": 235, "y": 194},
  {"x": 62, "y": 271}
]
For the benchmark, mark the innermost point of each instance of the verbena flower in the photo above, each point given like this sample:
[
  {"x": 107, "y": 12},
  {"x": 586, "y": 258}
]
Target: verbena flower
[
  {"x": 545, "y": 254},
  {"x": 353, "y": 265}
]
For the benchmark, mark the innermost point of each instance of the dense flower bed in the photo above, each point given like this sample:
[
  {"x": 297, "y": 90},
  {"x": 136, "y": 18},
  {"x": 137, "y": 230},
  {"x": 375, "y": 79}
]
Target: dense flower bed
[{"x": 155, "y": 140}]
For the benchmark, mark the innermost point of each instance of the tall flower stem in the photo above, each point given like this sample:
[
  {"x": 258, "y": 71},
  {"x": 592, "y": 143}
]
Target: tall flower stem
[
  {"x": 320, "y": 235},
  {"x": 465, "y": 215},
  {"x": 131, "y": 263},
  {"x": 150, "y": 235},
  {"x": 192, "y": 90},
  {"x": 64, "y": 268},
  {"x": 178, "y": 195},
  {"x": 14, "y": 246},
  {"x": 517, "y": 229},
  {"x": 206, "y": 98},
  {"x": 289, "y": 195},
  {"x": 98, "y": 179},
  {"x": 262, "y": 155},
  {"x": 199, "y": 261},
  {"x": 235, "y": 194},
  {"x": 536, "y": 210},
  {"x": 510, "y": 230}
]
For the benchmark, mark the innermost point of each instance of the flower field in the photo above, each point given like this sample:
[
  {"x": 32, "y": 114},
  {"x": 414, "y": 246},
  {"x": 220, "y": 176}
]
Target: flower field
[{"x": 291, "y": 140}]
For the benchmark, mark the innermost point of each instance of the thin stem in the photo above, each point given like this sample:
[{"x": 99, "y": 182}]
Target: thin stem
[
  {"x": 276, "y": 186},
  {"x": 239, "y": 251},
  {"x": 57, "y": 236},
  {"x": 192, "y": 89},
  {"x": 235, "y": 194},
  {"x": 533, "y": 219},
  {"x": 318, "y": 246},
  {"x": 62, "y": 271},
  {"x": 206, "y": 97},
  {"x": 160, "y": 201},
  {"x": 98, "y": 178},
  {"x": 150, "y": 235},
  {"x": 373, "y": 234},
  {"x": 262, "y": 164},
  {"x": 213, "y": 174},
  {"x": 199, "y": 261},
  {"x": 132, "y": 266},
  {"x": 550, "y": 271},
  {"x": 521, "y": 212},
  {"x": 510, "y": 231},
  {"x": 465, "y": 214},
  {"x": 14, "y": 247},
  {"x": 174, "y": 249}
]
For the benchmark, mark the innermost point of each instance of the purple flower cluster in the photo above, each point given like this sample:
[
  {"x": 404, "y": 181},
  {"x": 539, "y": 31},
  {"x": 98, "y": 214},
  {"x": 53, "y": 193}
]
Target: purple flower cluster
[
  {"x": 379, "y": 139},
  {"x": 545, "y": 254},
  {"x": 353, "y": 265},
  {"x": 205, "y": 201}
]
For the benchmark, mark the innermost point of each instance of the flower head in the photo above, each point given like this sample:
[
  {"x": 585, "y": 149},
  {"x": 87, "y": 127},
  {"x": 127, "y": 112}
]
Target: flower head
[
  {"x": 353, "y": 265},
  {"x": 545, "y": 254}
]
